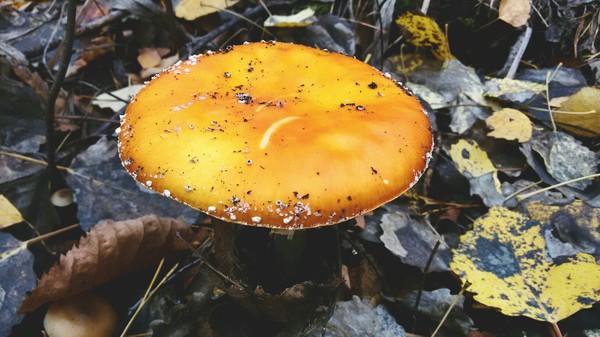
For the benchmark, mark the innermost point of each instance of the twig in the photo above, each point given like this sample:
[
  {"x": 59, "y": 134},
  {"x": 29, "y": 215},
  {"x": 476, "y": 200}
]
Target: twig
[
  {"x": 524, "y": 41},
  {"x": 56, "y": 85},
  {"x": 549, "y": 78},
  {"x": 149, "y": 292},
  {"x": 462, "y": 290},
  {"x": 200, "y": 42},
  {"x": 51, "y": 234},
  {"x": 527, "y": 195},
  {"x": 95, "y": 25},
  {"x": 425, "y": 6},
  {"x": 424, "y": 278}
]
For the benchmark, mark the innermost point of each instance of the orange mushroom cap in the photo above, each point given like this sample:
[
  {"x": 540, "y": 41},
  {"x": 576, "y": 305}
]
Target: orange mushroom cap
[{"x": 276, "y": 135}]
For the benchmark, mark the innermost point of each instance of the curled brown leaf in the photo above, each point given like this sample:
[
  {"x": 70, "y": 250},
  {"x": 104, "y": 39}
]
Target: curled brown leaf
[{"x": 111, "y": 248}]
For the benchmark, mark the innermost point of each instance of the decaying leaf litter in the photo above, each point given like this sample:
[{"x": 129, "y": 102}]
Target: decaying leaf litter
[{"x": 510, "y": 198}]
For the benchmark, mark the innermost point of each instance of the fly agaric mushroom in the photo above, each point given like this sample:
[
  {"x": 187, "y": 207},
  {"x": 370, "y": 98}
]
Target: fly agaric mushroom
[
  {"x": 83, "y": 315},
  {"x": 275, "y": 135}
]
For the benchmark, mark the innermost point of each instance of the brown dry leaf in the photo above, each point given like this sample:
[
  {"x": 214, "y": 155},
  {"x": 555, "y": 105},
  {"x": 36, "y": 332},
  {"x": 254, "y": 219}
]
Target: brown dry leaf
[
  {"x": 581, "y": 113},
  {"x": 510, "y": 124},
  {"x": 162, "y": 64},
  {"x": 148, "y": 57},
  {"x": 514, "y": 12},
  {"x": 111, "y": 248}
]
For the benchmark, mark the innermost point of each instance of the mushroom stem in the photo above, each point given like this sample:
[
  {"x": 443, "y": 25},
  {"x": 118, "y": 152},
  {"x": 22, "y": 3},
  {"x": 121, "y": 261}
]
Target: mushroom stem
[{"x": 290, "y": 248}]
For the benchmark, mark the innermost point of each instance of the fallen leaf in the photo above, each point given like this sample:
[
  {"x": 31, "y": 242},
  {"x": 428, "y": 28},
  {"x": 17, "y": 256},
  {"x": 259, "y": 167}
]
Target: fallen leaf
[
  {"x": 192, "y": 9},
  {"x": 413, "y": 242},
  {"x": 9, "y": 214},
  {"x": 575, "y": 223},
  {"x": 474, "y": 163},
  {"x": 469, "y": 157},
  {"x": 565, "y": 157},
  {"x": 164, "y": 63},
  {"x": 582, "y": 113},
  {"x": 421, "y": 31},
  {"x": 108, "y": 250},
  {"x": 461, "y": 88},
  {"x": 117, "y": 99},
  {"x": 433, "y": 306},
  {"x": 504, "y": 258},
  {"x": 514, "y": 12},
  {"x": 510, "y": 124},
  {"x": 301, "y": 19},
  {"x": 358, "y": 318},
  {"x": 148, "y": 57},
  {"x": 513, "y": 90},
  {"x": 434, "y": 99},
  {"x": 16, "y": 278}
]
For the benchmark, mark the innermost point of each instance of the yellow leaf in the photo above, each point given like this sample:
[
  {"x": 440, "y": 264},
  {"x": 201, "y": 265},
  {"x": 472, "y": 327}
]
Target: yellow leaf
[
  {"x": 301, "y": 19},
  {"x": 514, "y": 12},
  {"x": 582, "y": 113},
  {"x": 507, "y": 86},
  {"x": 469, "y": 157},
  {"x": 9, "y": 214},
  {"x": 193, "y": 9},
  {"x": 422, "y": 31},
  {"x": 510, "y": 124},
  {"x": 504, "y": 259}
]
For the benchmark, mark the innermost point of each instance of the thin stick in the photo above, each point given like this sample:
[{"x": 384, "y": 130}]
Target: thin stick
[
  {"x": 149, "y": 292},
  {"x": 462, "y": 290},
  {"x": 519, "y": 55},
  {"x": 530, "y": 194},
  {"x": 51, "y": 234},
  {"x": 56, "y": 85},
  {"x": 549, "y": 78},
  {"x": 425, "y": 6},
  {"x": 424, "y": 278}
]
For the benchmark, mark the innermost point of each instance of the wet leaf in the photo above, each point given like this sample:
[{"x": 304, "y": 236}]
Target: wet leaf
[
  {"x": 9, "y": 214},
  {"x": 193, "y": 9},
  {"x": 413, "y": 241},
  {"x": 422, "y": 31},
  {"x": 514, "y": 12},
  {"x": 109, "y": 249},
  {"x": 565, "y": 157},
  {"x": 16, "y": 278},
  {"x": 504, "y": 257},
  {"x": 510, "y": 124},
  {"x": 358, "y": 318},
  {"x": 461, "y": 87},
  {"x": 434, "y": 304},
  {"x": 575, "y": 223},
  {"x": 582, "y": 115}
]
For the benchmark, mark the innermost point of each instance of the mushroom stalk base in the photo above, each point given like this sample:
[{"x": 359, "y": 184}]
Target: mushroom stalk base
[{"x": 283, "y": 278}]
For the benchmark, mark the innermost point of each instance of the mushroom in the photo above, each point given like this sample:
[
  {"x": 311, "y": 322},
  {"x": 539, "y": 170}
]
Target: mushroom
[
  {"x": 82, "y": 315},
  {"x": 275, "y": 135}
]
